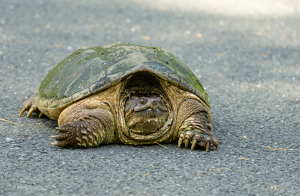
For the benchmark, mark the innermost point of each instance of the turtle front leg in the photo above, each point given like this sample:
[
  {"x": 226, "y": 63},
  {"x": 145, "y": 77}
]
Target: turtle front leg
[
  {"x": 195, "y": 127},
  {"x": 85, "y": 128}
]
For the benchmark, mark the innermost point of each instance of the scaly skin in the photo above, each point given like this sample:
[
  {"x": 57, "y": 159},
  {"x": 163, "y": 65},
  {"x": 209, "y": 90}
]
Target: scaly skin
[
  {"x": 195, "y": 127},
  {"x": 94, "y": 127}
]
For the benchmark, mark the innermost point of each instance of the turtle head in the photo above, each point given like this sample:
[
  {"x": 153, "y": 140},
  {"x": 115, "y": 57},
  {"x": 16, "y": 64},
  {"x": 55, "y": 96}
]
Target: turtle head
[
  {"x": 145, "y": 114},
  {"x": 145, "y": 108}
]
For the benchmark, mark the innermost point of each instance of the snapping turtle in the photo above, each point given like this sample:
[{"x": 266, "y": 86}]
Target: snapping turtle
[{"x": 124, "y": 93}]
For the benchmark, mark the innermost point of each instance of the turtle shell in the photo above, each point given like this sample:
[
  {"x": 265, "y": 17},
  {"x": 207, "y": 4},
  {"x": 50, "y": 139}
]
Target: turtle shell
[{"x": 91, "y": 70}]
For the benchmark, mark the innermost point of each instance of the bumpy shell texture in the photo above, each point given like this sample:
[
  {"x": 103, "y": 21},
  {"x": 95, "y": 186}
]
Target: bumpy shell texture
[{"x": 91, "y": 70}]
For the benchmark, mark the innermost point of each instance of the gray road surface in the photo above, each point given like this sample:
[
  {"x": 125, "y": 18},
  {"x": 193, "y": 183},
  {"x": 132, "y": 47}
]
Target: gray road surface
[{"x": 247, "y": 55}]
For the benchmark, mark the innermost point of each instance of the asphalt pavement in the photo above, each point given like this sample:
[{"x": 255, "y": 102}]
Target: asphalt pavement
[{"x": 246, "y": 54}]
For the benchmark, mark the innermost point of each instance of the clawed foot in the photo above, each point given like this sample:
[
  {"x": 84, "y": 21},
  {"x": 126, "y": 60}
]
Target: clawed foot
[
  {"x": 66, "y": 135},
  {"x": 30, "y": 106},
  {"x": 202, "y": 139},
  {"x": 76, "y": 134}
]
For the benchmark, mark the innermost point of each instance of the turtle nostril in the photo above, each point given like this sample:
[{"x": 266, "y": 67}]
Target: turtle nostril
[{"x": 155, "y": 102}]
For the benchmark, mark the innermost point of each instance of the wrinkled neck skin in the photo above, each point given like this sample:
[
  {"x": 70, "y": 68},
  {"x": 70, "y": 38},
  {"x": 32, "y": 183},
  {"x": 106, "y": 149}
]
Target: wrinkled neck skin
[{"x": 145, "y": 114}]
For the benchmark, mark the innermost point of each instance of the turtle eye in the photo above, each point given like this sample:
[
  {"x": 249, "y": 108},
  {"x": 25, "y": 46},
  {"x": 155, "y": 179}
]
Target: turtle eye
[{"x": 142, "y": 101}]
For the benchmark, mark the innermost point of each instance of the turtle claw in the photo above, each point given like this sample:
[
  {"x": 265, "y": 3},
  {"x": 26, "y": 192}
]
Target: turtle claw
[
  {"x": 194, "y": 144},
  {"x": 29, "y": 106},
  {"x": 179, "y": 142},
  {"x": 54, "y": 143},
  {"x": 22, "y": 111},
  {"x": 30, "y": 112},
  {"x": 194, "y": 137},
  {"x": 40, "y": 115},
  {"x": 186, "y": 143},
  {"x": 61, "y": 129},
  {"x": 207, "y": 146}
]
